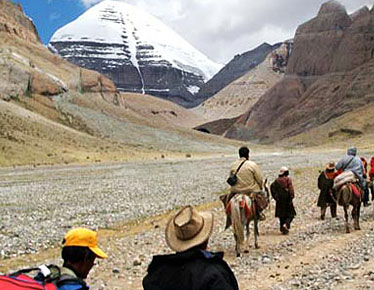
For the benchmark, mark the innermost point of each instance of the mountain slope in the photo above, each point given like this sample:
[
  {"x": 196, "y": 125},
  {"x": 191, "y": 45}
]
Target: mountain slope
[
  {"x": 330, "y": 73},
  {"x": 52, "y": 111},
  {"x": 241, "y": 94},
  {"x": 236, "y": 68},
  {"x": 136, "y": 50}
]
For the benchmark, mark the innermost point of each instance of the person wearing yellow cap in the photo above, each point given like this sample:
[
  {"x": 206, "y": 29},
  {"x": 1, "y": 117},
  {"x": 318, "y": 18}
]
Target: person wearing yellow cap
[{"x": 79, "y": 252}]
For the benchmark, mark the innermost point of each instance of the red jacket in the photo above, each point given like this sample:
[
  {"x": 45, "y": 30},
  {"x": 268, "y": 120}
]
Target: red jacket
[{"x": 371, "y": 173}]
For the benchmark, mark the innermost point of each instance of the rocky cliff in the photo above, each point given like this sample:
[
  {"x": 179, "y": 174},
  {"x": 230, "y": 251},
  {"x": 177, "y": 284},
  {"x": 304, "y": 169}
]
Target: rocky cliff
[
  {"x": 330, "y": 73},
  {"x": 13, "y": 21}
]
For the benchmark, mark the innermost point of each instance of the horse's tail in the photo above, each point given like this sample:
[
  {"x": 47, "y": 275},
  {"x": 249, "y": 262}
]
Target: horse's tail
[{"x": 236, "y": 219}]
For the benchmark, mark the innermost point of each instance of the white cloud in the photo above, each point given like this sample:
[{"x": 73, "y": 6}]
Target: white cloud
[
  {"x": 54, "y": 16},
  {"x": 88, "y": 3},
  {"x": 223, "y": 28}
]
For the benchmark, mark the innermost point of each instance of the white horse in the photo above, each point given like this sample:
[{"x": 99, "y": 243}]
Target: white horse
[{"x": 242, "y": 211}]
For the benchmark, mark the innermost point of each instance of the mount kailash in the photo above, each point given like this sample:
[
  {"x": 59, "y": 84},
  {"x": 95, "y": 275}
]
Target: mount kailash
[{"x": 136, "y": 50}]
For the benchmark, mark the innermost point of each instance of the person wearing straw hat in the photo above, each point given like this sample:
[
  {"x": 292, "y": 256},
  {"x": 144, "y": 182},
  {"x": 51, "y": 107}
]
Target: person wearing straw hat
[
  {"x": 325, "y": 185},
  {"x": 283, "y": 193},
  {"x": 79, "y": 252},
  {"x": 192, "y": 267}
]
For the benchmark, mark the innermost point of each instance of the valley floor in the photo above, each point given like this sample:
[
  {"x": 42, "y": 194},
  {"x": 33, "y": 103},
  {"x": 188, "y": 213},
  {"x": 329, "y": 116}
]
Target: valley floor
[{"x": 131, "y": 203}]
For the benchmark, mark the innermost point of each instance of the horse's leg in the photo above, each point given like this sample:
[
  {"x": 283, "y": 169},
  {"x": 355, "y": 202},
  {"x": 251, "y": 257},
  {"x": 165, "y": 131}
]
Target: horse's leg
[
  {"x": 247, "y": 236},
  {"x": 354, "y": 215},
  {"x": 346, "y": 218},
  {"x": 256, "y": 232},
  {"x": 358, "y": 215},
  {"x": 237, "y": 245}
]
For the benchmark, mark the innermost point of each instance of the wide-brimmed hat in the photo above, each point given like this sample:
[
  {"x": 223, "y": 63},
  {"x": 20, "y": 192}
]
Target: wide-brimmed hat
[
  {"x": 282, "y": 170},
  {"x": 188, "y": 228},
  {"x": 81, "y": 237},
  {"x": 330, "y": 165}
]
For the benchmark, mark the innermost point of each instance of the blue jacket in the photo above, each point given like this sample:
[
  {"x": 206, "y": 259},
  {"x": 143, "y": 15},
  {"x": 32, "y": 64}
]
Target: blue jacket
[
  {"x": 69, "y": 281},
  {"x": 354, "y": 164}
]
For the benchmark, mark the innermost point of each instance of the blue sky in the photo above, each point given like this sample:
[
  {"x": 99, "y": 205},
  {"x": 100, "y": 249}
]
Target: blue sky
[
  {"x": 229, "y": 26},
  {"x": 49, "y": 15}
]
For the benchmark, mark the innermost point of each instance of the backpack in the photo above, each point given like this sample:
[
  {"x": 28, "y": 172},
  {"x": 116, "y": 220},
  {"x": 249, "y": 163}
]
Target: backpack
[{"x": 47, "y": 278}]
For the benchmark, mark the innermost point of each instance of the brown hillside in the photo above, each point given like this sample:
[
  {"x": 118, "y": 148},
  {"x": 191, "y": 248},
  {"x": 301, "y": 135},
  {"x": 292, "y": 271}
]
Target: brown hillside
[
  {"x": 55, "y": 112},
  {"x": 330, "y": 73}
]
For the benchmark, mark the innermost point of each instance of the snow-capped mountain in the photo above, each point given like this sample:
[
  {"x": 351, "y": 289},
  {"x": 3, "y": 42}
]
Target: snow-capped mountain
[{"x": 136, "y": 50}]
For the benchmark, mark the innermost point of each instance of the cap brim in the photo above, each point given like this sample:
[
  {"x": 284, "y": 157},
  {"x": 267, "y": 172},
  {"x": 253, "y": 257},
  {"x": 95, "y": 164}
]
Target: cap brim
[
  {"x": 180, "y": 246},
  {"x": 98, "y": 252}
]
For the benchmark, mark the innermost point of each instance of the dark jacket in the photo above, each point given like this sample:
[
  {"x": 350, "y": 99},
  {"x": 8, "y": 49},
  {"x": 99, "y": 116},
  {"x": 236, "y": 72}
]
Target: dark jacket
[
  {"x": 193, "y": 269},
  {"x": 283, "y": 193},
  {"x": 325, "y": 185}
]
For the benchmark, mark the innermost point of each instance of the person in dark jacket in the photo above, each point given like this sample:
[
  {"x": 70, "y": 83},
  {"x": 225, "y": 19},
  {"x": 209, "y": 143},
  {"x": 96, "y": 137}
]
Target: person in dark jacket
[
  {"x": 192, "y": 267},
  {"x": 325, "y": 185},
  {"x": 283, "y": 193}
]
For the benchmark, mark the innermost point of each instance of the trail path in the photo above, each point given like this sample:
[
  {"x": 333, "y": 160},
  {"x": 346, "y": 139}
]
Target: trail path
[{"x": 131, "y": 203}]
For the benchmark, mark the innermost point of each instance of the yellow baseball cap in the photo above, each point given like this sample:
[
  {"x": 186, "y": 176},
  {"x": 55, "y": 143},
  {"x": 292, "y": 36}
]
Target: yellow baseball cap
[{"x": 82, "y": 237}]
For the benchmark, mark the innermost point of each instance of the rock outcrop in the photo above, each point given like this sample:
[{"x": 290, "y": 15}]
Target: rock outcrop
[
  {"x": 330, "y": 73},
  {"x": 14, "y": 22}
]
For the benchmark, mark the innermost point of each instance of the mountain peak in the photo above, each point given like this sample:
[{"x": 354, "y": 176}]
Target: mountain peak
[
  {"x": 136, "y": 50},
  {"x": 332, "y": 6}
]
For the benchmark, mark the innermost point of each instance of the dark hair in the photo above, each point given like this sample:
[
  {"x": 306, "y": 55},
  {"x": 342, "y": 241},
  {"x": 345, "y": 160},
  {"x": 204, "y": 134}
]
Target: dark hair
[
  {"x": 244, "y": 152},
  {"x": 76, "y": 254}
]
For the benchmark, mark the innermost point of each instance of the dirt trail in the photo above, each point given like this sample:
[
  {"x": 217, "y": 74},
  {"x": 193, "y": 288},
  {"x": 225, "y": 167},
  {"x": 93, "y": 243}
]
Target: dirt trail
[{"x": 315, "y": 255}]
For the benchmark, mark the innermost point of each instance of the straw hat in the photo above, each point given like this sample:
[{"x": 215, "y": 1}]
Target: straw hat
[
  {"x": 330, "y": 165},
  {"x": 283, "y": 170},
  {"x": 188, "y": 228}
]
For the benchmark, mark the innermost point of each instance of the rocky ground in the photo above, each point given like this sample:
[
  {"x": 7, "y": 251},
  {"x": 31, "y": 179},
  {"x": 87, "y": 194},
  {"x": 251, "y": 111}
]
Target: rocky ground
[{"x": 132, "y": 202}]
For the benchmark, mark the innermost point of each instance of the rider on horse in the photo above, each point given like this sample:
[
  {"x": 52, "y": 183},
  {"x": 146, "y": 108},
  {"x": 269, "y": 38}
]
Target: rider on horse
[
  {"x": 249, "y": 179},
  {"x": 351, "y": 162}
]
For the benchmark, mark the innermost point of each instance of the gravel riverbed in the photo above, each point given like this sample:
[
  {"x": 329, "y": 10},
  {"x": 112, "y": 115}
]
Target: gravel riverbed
[{"x": 38, "y": 205}]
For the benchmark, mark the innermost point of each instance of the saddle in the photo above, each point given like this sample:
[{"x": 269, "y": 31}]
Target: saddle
[{"x": 244, "y": 205}]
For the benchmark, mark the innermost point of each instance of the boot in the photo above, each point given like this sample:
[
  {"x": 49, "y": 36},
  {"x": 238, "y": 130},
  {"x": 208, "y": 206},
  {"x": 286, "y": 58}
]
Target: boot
[{"x": 323, "y": 212}]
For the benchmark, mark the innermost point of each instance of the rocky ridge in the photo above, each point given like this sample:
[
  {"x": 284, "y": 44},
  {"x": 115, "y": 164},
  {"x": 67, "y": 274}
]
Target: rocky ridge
[
  {"x": 236, "y": 68},
  {"x": 329, "y": 74},
  {"x": 241, "y": 94}
]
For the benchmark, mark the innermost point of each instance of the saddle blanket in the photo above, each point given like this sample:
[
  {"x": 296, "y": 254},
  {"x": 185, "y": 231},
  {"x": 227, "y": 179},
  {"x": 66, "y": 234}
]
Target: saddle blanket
[
  {"x": 242, "y": 204},
  {"x": 355, "y": 190}
]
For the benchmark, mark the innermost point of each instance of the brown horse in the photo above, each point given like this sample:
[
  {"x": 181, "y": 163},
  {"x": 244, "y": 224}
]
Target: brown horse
[
  {"x": 346, "y": 197},
  {"x": 243, "y": 210}
]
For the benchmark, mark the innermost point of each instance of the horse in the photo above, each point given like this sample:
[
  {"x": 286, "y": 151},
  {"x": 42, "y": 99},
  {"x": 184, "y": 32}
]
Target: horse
[
  {"x": 242, "y": 210},
  {"x": 345, "y": 197}
]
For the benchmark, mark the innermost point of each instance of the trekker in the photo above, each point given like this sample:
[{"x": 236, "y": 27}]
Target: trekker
[
  {"x": 325, "y": 185},
  {"x": 366, "y": 187},
  {"x": 371, "y": 177},
  {"x": 249, "y": 179},
  {"x": 283, "y": 193},
  {"x": 79, "y": 253},
  {"x": 353, "y": 163},
  {"x": 192, "y": 267}
]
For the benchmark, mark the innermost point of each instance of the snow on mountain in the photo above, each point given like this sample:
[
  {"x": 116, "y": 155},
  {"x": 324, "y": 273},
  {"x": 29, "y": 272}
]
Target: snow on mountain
[{"x": 137, "y": 50}]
